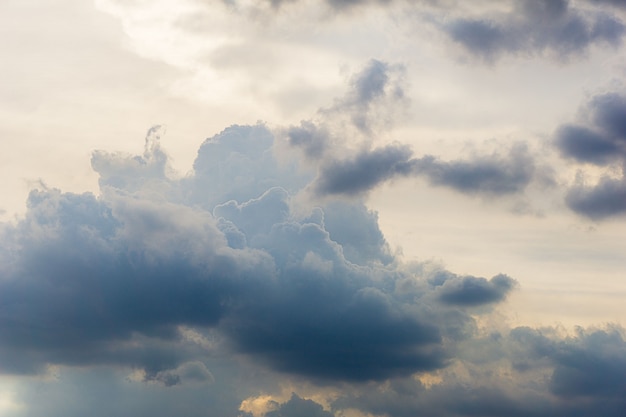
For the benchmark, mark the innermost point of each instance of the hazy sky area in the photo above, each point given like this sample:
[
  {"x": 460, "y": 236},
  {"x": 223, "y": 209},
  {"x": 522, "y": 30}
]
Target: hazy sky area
[{"x": 298, "y": 208}]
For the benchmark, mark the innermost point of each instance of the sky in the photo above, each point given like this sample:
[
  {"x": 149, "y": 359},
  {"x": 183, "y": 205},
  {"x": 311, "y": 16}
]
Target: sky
[{"x": 298, "y": 208}]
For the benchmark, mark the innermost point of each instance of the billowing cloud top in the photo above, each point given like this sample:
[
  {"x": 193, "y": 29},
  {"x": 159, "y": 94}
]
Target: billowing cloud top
[{"x": 109, "y": 280}]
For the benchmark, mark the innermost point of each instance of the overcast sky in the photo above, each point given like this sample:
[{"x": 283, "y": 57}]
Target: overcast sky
[{"x": 309, "y": 208}]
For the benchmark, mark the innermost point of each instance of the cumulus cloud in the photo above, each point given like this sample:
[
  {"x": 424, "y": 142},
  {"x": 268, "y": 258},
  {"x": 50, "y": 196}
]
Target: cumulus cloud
[
  {"x": 305, "y": 289},
  {"x": 111, "y": 279},
  {"x": 599, "y": 138},
  {"x": 554, "y": 27}
]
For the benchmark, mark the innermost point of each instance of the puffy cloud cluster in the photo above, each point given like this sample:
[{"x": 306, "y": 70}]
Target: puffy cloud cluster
[
  {"x": 110, "y": 280},
  {"x": 239, "y": 265}
]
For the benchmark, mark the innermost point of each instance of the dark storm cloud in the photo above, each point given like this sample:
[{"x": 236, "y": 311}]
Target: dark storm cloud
[
  {"x": 536, "y": 26},
  {"x": 599, "y": 139}
]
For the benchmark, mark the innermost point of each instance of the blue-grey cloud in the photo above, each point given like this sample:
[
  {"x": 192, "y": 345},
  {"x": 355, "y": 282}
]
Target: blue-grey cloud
[
  {"x": 365, "y": 171},
  {"x": 586, "y": 145},
  {"x": 599, "y": 138},
  {"x": 605, "y": 199},
  {"x": 110, "y": 280},
  {"x": 615, "y": 3},
  {"x": 575, "y": 376},
  {"x": 145, "y": 276},
  {"x": 493, "y": 175},
  {"x": 536, "y": 26},
  {"x": 113, "y": 281},
  {"x": 472, "y": 291},
  {"x": 342, "y": 171}
]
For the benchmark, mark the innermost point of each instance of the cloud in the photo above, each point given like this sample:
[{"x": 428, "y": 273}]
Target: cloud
[
  {"x": 493, "y": 175},
  {"x": 536, "y": 27},
  {"x": 472, "y": 291},
  {"x": 598, "y": 139},
  {"x": 112, "y": 279},
  {"x": 484, "y": 175},
  {"x": 298, "y": 407},
  {"x": 522, "y": 372},
  {"x": 615, "y": 3},
  {"x": 234, "y": 277},
  {"x": 340, "y": 145},
  {"x": 602, "y": 139},
  {"x": 605, "y": 199},
  {"x": 365, "y": 171}
]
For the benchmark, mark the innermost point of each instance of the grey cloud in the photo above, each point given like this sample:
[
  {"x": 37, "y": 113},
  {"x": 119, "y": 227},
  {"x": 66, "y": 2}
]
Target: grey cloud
[
  {"x": 608, "y": 113},
  {"x": 536, "y": 26},
  {"x": 309, "y": 137},
  {"x": 113, "y": 281},
  {"x": 570, "y": 376},
  {"x": 365, "y": 171},
  {"x": 85, "y": 280},
  {"x": 605, "y": 199},
  {"x": 615, "y": 3},
  {"x": 594, "y": 365},
  {"x": 109, "y": 280},
  {"x": 472, "y": 291},
  {"x": 188, "y": 372},
  {"x": 599, "y": 139},
  {"x": 586, "y": 145},
  {"x": 356, "y": 229},
  {"x": 369, "y": 167},
  {"x": 487, "y": 175},
  {"x": 375, "y": 90},
  {"x": 375, "y": 97},
  {"x": 604, "y": 139}
]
